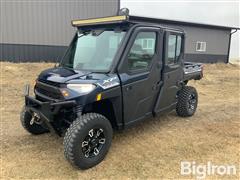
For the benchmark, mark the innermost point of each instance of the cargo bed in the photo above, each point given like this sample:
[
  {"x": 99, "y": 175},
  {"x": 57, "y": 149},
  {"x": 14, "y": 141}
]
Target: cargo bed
[{"x": 193, "y": 71}]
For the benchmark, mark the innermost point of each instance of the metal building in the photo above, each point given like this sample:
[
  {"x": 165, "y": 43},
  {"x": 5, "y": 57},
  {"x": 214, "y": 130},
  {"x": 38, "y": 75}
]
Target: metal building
[{"x": 41, "y": 30}]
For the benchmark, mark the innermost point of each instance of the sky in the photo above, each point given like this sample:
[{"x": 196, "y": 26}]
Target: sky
[{"x": 217, "y": 12}]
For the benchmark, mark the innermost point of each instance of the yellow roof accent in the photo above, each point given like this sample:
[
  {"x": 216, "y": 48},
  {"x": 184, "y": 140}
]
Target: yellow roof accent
[{"x": 98, "y": 20}]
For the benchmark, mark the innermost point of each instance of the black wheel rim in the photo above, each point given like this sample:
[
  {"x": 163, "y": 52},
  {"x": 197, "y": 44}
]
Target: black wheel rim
[
  {"x": 93, "y": 142},
  {"x": 192, "y": 100}
]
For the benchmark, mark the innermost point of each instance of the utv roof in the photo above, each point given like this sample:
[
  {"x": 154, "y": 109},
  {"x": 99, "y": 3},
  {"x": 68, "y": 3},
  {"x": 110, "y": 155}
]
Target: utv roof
[
  {"x": 111, "y": 20},
  {"x": 141, "y": 19},
  {"x": 176, "y": 22}
]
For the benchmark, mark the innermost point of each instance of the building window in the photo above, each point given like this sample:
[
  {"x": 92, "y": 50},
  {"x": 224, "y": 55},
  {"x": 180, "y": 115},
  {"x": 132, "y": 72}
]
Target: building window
[
  {"x": 201, "y": 46},
  {"x": 147, "y": 43}
]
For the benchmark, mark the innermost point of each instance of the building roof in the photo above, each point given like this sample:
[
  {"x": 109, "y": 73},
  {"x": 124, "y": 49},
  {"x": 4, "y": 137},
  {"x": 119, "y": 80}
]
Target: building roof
[{"x": 177, "y": 22}]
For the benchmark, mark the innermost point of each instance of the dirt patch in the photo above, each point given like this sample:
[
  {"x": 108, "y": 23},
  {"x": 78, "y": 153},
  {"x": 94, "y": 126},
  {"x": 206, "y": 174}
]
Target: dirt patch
[{"x": 152, "y": 149}]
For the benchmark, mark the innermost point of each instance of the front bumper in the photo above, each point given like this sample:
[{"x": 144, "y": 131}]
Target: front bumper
[{"x": 46, "y": 110}]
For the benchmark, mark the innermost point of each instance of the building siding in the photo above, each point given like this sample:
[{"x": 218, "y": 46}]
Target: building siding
[
  {"x": 216, "y": 40},
  {"x": 206, "y": 58},
  {"x": 48, "y": 22},
  {"x": 31, "y": 53},
  {"x": 34, "y": 30}
]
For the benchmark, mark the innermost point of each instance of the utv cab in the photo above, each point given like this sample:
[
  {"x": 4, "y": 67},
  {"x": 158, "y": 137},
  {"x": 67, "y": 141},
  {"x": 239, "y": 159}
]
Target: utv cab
[{"x": 116, "y": 72}]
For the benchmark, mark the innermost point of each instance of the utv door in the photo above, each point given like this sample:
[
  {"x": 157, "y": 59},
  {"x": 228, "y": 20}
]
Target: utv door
[
  {"x": 140, "y": 73},
  {"x": 172, "y": 71}
]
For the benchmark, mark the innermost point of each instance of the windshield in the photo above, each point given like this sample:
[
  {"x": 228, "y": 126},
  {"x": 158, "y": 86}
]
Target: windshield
[{"x": 93, "y": 51}]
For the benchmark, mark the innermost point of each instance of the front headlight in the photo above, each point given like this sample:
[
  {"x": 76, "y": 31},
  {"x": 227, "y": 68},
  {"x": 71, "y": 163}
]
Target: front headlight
[{"x": 81, "y": 88}]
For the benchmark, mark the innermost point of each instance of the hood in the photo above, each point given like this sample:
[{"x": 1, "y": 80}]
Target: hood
[{"x": 63, "y": 75}]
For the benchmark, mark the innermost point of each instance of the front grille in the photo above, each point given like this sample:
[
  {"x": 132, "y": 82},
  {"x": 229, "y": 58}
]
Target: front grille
[
  {"x": 52, "y": 95},
  {"x": 49, "y": 82},
  {"x": 47, "y": 91}
]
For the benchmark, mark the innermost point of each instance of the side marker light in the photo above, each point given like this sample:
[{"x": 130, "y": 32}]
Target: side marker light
[{"x": 99, "y": 97}]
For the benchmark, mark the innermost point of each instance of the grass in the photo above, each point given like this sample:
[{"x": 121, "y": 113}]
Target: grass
[{"x": 152, "y": 149}]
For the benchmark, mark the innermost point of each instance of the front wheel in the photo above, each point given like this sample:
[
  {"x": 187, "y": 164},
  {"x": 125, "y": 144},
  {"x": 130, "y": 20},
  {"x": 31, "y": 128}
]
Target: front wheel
[
  {"x": 187, "y": 101},
  {"x": 88, "y": 140}
]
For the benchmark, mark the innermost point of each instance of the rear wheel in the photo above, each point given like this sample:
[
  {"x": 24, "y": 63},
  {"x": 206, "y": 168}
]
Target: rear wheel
[
  {"x": 88, "y": 140},
  {"x": 30, "y": 122},
  {"x": 187, "y": 101}
]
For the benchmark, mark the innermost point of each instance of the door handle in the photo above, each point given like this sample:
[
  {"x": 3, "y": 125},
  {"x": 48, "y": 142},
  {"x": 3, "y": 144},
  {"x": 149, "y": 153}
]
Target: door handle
[{"x": 157, "y": 85}]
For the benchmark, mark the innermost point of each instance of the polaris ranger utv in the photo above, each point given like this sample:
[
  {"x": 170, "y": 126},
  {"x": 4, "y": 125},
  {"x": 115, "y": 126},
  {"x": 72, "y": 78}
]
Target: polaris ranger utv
[{"x": 117, "y": 71}]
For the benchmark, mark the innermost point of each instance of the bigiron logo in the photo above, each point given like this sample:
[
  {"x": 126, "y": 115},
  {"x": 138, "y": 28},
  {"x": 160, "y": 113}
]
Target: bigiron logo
[{"x": 201, "y": 171}]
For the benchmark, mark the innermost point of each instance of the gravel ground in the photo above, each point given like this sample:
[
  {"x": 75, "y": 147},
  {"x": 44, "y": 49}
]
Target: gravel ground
[{"x": 152, "y": 149}]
